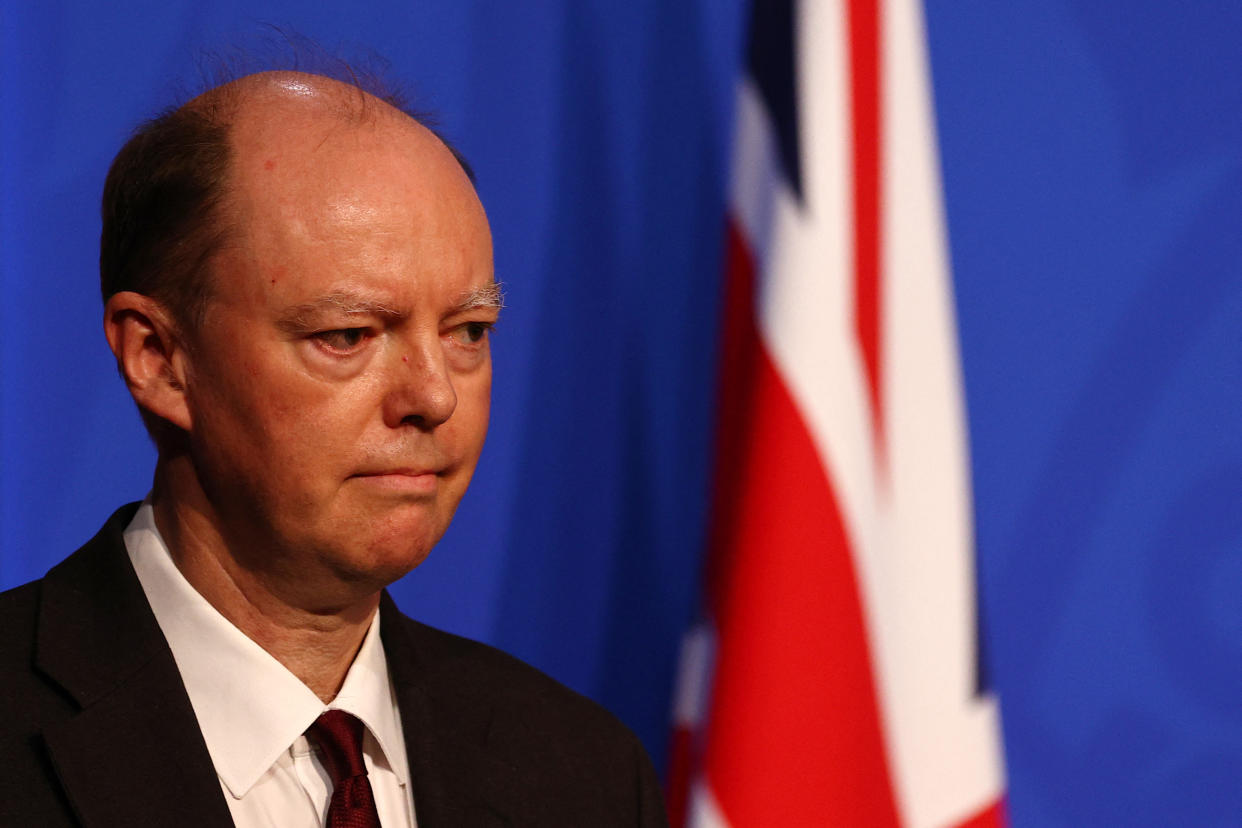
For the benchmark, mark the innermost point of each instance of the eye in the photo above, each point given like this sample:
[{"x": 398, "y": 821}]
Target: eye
[
  {"x": 341, "y": 340},
  {"x": 471, "y": 333}
]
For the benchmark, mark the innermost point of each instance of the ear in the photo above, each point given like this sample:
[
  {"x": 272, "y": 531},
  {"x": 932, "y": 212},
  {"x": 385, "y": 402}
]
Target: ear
[{"x": 144, "y": 339}]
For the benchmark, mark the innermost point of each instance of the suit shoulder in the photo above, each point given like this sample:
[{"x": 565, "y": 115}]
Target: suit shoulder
[
  {"x": 472, "y": 670},
  {"x": 571, "y": 761},
  {"x": 579, "y": 764},
  {"x": 26, "y": 697},
  {"x": 496, "y": 698},
  {"x": 18, "y": 612},
  {"x": 20, "y": 599}
]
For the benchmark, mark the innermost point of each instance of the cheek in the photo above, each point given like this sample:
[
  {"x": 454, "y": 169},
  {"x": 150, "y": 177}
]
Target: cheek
[
  {"x": 254, "y": 404},
  {"x": 474, "y": 398},
  {"x": 280, "y": 391},
  {"x": 269, "y": 421},
  {"x": 468, "y": 432}
]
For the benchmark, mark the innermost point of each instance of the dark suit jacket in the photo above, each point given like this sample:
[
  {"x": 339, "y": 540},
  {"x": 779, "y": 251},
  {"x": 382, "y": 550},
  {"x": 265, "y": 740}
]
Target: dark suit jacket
[{"x": 96, "y": 728}]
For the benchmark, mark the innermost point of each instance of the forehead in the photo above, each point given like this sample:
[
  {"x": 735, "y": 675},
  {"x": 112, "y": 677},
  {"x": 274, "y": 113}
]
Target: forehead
[
  {"x": 297, "y": 144},
  {"x": 315, "y": 180}
]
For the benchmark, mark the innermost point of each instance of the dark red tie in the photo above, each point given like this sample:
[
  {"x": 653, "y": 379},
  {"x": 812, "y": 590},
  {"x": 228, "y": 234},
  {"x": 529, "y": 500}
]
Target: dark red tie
[{"x": 339, "y": 738}]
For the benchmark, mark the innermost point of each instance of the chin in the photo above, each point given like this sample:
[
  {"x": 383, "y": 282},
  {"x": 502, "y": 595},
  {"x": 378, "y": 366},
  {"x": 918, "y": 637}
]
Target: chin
[
  {"x": 393, "y": 564},
  {"x": 392, "y": 554},
  {"x": 378, "y": 546},
  {"x": 363, "y": 572}
]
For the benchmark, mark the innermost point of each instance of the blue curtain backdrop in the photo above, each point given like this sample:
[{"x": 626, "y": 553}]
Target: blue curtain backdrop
[{"x": 1093, "y": 171}]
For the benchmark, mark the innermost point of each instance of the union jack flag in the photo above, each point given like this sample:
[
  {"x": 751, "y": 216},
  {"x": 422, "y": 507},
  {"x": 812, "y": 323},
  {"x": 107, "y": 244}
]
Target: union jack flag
[{"x": 835, "y": 677}]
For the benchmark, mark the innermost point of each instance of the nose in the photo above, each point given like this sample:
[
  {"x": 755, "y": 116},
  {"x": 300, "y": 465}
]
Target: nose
[{"x": 421, "y": 390}]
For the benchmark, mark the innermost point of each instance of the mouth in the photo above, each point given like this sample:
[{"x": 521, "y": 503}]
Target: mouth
[{"x": 401, "y": 481}]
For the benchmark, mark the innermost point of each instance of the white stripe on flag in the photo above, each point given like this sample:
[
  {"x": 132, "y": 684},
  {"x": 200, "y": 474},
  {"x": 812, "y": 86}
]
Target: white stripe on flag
[
  {"x": 944, "y": 745},
  {"x": 704, "y": 812},
  {"x": 693, "y": 676}
]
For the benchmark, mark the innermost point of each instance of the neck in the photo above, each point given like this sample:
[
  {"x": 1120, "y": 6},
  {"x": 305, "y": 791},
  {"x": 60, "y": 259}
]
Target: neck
[{"x": 317, "y": 642}]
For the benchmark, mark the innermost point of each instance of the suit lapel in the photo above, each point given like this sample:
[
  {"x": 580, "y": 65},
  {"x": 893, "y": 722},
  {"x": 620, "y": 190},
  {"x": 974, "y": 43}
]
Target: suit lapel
[
  {"x": 133, "y": 754},
  {"x": 456, "y": 781}
]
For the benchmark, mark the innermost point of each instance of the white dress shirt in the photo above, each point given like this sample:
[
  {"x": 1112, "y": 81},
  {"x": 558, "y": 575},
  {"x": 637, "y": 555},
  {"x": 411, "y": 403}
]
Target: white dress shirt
[{"x": 254, "y": 713}]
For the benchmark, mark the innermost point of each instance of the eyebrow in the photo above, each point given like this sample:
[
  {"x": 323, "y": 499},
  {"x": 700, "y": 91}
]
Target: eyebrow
[
  {"x": 303, "y": 317},
  {"x": 492, "y": 297}
]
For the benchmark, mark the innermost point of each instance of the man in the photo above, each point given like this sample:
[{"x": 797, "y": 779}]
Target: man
[{"x": 298, "y": 292}]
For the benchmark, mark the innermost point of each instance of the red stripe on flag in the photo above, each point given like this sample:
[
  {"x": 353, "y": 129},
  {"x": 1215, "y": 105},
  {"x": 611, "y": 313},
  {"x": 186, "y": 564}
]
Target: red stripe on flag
[
  {"x": 868, "y": 149},
  {"x": 794, "y": 729},
  {"x": 680, "y": 768},
  {"x": 992, "y": 816},
  {"x": 739, "y": 365}
]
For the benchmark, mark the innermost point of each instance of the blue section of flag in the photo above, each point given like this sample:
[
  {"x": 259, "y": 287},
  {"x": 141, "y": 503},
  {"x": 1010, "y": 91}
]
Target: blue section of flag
[{"x": 772, "y": 64}]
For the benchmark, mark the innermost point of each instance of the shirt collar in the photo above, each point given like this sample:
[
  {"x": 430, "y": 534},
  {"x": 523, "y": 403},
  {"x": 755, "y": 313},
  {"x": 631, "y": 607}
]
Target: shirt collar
[{"x": 250, "y": 708}]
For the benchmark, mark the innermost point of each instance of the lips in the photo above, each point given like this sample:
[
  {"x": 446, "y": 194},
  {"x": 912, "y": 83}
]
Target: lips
[
  {"x": 406, "y": 472},
  {"x": 403, "y": 480}
]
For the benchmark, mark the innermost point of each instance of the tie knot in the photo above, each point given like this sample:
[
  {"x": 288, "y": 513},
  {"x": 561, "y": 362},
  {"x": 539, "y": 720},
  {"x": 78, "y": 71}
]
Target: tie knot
[{"x": 339, "y": 737}]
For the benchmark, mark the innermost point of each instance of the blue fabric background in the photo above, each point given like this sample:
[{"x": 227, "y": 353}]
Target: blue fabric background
[{"x": 1093, "y": 171}]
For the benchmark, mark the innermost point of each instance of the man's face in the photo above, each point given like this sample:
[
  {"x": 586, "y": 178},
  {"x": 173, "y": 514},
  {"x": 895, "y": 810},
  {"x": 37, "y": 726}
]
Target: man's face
[{"x": 339, "y": 385}]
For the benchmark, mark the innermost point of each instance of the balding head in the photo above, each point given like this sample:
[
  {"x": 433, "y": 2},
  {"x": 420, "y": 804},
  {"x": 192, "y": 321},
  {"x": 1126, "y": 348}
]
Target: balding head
[
  {"x": 299, "y": 94},
  {"x": 165, "y": 204}
]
